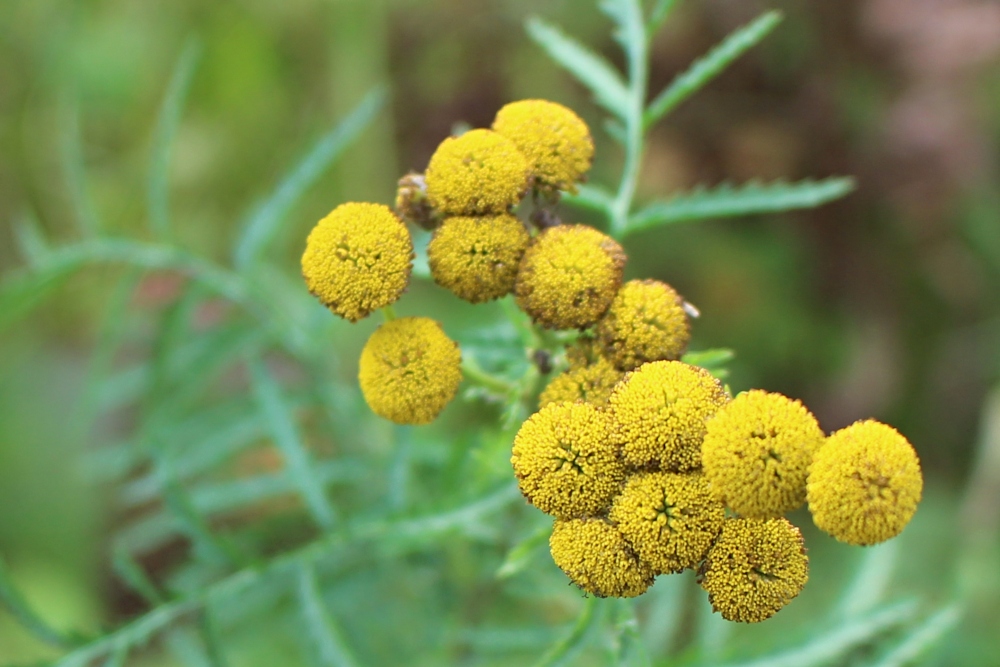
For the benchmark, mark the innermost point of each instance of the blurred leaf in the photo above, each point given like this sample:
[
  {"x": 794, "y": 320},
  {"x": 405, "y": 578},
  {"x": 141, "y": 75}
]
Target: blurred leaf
[
  {"x": 300, "y": 466},
  {"x": 628, "y": 647},
  {"x": 922, "y": 638},
  {"x": 582, "y": 632},
  {"x": 714, "y": 361},
  {"x": 834, "y": 643},
  {"x": 75, "y": 171},
  {"x": 871, "y": 581},
  {"x": 630, "y": 33},
  {"x": 589, "y": 68},
  {"x": 31, "y": 239},
  {"x": 263, "y": 221},
  {"x": 20, "y": 292},
  {"x": 118, "y": 656},
  {"x": 710, "y": 66},
  {"x": 659, "y": 15},
  {"x": 727, "y": 200},
  {"x": 320, "y": 624},
  {"x": 521, "y": 555},
  {"x": 133, "y": 574},
  {"x": 13, "y": 602},
  {"x": 592, "y": 197},
  {"x": 194, "y": 526},
  {"x": 167, "y": 123}
]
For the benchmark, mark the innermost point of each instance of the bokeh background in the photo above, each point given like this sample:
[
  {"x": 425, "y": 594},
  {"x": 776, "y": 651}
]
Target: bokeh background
[{"x": 885, "y": 304}]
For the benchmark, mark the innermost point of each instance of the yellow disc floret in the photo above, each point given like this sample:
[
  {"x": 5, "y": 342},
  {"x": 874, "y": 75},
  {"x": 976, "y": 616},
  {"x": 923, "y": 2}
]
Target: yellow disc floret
[
  {"x": 358, "y": 259},
  {"x": 646, "y": 322},
  {"x": 757, "y": 452},
  {"x": 755, "y": 568},
  {"x": 478, "y": 173},
  {"x": 409, "y": 370},
  {"x": 595, "y": 556},
  {"x": 477, "y": 258},
  {"x": 555, "y": 140},
  {"x": 568, "y": 276},
  {"x": 864, "y": 483},
  {"x": 659, "y": 412},
  {"x": 565, "y": 462},
  {"x": 670, "y": 519},
  {"x": 591, "y": 384}
]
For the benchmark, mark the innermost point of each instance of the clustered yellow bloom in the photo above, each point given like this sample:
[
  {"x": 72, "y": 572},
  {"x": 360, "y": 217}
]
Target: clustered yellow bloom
[
  {"x": 864, "y": 483},
  {"x": 646, "y": 322},
  {"x": 555, "y": 141},
  {"x": 477, "y": 258},
  {"x": 757, "y": 452},
  {"x": 755, "y": 568},
  {"x": 568, "y": 277},
  {"x": 564, "y": 461},
  {"x": 409, "y": 370},
  {"x": 358, "y": 259},
  {"x": 646, "y": 463}
]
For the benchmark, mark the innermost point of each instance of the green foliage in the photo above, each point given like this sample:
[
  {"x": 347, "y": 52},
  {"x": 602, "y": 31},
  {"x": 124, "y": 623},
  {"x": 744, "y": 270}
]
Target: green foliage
[{"x": 391, "y": 528}]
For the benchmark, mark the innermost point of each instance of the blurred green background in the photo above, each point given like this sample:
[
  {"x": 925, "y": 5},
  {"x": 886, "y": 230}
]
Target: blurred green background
[{"x": 885, "y": 304}]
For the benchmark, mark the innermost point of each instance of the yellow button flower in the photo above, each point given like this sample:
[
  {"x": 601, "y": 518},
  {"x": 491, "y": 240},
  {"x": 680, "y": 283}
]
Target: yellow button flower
[
  {"x": 478, "y": 173},
  {"x": 591, "y": 384},
  {"x": 755, "y": 568},
  {"x": 409, "y": 370},
  {"x": 646, "y": 322},
  {"x": 569, "y": 276},
  {"x": 864, "y": 483},
  {"x": 565, "y": 462},
  {"x": 555, "y": 140},
  {"x": 659, "y": 412},
  {"x": 477, "y": 258},
  {"x": 670, "y": 519},
  {"x": 757, "y": 452},
  {"x": 358, "y": 259},
  {"x": 596, "y": 557}
]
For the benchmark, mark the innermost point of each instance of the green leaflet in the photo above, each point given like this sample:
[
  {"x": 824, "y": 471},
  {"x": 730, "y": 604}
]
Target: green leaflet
[
  {"x": 727, "y": 201},
  {"x": 590, "y": 69},
  {"x": 323, "y": 629},
  {"x": 158, "y": 194},
  {"x": 264, "y": 219},
  {"x": 922, "y": 638},
  {"x": 710, "y": 66},
  {"x": 579, "y": 635}
]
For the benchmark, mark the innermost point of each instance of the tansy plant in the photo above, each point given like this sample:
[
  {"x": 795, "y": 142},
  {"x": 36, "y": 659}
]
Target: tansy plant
[{"x": 650, "y": 468}]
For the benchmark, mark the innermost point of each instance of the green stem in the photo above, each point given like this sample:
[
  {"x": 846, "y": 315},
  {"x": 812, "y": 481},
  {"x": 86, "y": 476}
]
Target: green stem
[
  {"x": 388, "y": 313},
  {"x": 576, "y": 637},
  {"x": 637, "y": 53},
  {"x": 476, "y": 375}
]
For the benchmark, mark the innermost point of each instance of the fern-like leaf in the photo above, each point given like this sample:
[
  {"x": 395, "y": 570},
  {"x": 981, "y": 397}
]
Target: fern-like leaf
[
  {"x": 710, "y": 66},
  {"x": 592, "y": 70},
  {"x": 728, "y": 201}
]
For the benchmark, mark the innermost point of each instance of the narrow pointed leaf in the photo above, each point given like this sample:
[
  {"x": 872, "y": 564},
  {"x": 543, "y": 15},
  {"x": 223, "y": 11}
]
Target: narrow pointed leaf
[
  {"x": 75, "y": 172},
  {"x": 659, "y": 15},
  {"x": 710, "y": 66},
  {"x": 589, "y": 68},
  {"x": 922, "y": 638},
  {"x": 263, "y": 221},
  {"x": 579, "y": 635},
  {"x": 592, "y": 197},
  {"x": 727, "y": 201},
  {"x": 166, "y": 130},
  {"x": 298, "y": 459},
  {"x": 323, "y": 629},
  {"x": 17, "y": 606},
  {"x": 31, "y": 239}
]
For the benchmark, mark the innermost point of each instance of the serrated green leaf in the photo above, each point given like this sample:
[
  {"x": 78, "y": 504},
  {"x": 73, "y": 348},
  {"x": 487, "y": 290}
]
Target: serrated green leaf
[
  {"x": 630, "y": 33},
  {"x": 298, "y": 459},
  {"x": 838, "y": 641},
  {"x": 592, "y": 197},
  {"x": 168, "y": 122},
  {"x": 922, "y": 638},
  {"x": 323, "y": 629},
  {"x": 264, "y": 220},
  {"x": 592, "y": 70},
  {"x": 710, "y": 66},
  {"x": 728, "y": 201}
]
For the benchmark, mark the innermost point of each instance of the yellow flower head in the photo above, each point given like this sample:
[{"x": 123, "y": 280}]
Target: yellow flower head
[
  {"x": 590, "y": 384},
  {"x": 555, "y": 140},
  {"x": 595, "y": 555},
  {"x": 757, "y": 452},
  {"x": 646, "y": 322},
  {"x": 670, "y": 519},
  {"x": 755, "y": 568},
  {"x": 565, "y": 462},
  {"x": 569, "y": 276},
  {"x": 409, "y": 370},
  {"x": 864, "y": 483},
  {"x": 358, "y": 259},
  {"x": 477, "y": 258},
  {"x": 659, "y": 411},
  {"x": 478, "y": 173}
]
